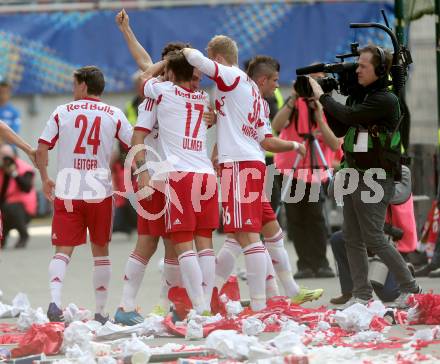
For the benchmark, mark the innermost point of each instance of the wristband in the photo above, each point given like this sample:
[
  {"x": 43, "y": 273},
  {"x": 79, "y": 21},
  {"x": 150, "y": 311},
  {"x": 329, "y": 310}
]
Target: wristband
[{"x": 295, "y": 145}]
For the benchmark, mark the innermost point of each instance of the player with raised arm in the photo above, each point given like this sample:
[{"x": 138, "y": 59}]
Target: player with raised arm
[
  {"x": 149, "y": 230},
  {"x": 240, "y": 133},
  {"x": 141, "y": 56},
  {"x": 192, "y": 206},
  {"x": 264, "y": 71},
  {"x": 85, "y": 130}
]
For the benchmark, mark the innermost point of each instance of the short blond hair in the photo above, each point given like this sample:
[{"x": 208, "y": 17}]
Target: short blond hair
[{"x": 225, "y": 47}]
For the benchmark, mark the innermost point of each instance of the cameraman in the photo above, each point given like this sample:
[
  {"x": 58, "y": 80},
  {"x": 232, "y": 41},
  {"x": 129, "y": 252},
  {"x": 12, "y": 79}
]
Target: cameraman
[
  {"x": 18, "y": 199},
  {"x": 301, "y": 119},
  {"x": 369, "y": 122}
]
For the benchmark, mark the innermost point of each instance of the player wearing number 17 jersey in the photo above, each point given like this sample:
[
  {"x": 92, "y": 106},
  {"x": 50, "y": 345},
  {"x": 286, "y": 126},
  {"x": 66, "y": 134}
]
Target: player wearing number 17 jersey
[
  {"x": 192, "y": 205},
  {"x": 85, "y": 130}
]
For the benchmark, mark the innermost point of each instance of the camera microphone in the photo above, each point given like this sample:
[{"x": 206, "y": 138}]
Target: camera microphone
[
  {"x": 340, "y": 67},
  {"x": 327, "y": 68},
  {"x": 310, "y": 69}
]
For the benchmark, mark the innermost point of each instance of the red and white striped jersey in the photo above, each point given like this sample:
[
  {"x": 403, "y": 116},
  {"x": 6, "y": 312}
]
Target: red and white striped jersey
[
  {"x": 85, "y": 131},
  {"x": 181, "y": 127}
]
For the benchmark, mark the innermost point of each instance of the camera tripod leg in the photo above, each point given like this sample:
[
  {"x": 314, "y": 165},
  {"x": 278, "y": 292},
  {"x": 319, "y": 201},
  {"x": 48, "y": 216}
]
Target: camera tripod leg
[
  {"x": 321, "y": 156},
  {"x": 288, "y": 185}
]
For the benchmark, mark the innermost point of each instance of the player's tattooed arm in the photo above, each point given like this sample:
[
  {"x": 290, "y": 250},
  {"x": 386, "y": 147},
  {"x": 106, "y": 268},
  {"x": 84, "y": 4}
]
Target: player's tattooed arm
[
  {"x": 140, "y": 55},
  {"x": 137, "y": 141},
  {"x": 143, "y": 180},
  {"x": 143, "y": 177}
]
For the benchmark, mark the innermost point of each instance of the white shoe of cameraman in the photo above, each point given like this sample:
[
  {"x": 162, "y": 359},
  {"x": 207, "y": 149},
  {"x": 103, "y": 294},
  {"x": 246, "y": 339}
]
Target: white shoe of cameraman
[{"x": 351, "y": 302}]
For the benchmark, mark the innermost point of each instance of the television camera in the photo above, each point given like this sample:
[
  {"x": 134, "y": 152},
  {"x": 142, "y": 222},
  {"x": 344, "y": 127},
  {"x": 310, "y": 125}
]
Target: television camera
[{"x": 344, "y": 78}]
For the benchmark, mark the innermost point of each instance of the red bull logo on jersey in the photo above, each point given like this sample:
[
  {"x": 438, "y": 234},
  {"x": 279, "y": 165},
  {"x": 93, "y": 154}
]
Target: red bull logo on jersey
[
  {"x": 190, "y": 95},
  {"x": 90, "y": 106}
]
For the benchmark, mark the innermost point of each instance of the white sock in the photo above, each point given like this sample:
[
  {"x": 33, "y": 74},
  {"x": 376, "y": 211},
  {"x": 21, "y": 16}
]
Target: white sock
[
  {"x": 133, "y": 275},
  {"x": 207, "y": 265},
  {"x": 255, "y": 259},
  {"x": 192, "y": 279},
  {"x": 57, "y": 271},
  {"x": 281, "y": 263},
  {"x": 171, "y": 278},
  {"x": 101, "y": 280},
  {"x": 225, "y": 261},
  {"x": 271, "y": 280}
]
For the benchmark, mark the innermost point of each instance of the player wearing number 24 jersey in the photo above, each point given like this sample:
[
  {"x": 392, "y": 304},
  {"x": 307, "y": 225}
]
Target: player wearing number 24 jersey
[{"x": 85, "y": 130}]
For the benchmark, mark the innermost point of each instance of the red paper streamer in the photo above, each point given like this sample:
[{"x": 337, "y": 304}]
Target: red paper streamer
[
  {"x": 428, "y": 308},
  {"x": 46, "y": 338}
]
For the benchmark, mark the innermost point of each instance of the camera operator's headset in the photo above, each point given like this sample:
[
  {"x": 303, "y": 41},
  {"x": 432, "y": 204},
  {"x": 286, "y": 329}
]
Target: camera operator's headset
[{"x": 381, "y": 70}]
